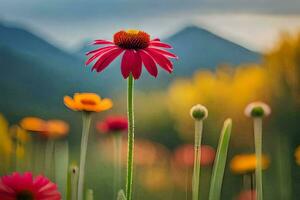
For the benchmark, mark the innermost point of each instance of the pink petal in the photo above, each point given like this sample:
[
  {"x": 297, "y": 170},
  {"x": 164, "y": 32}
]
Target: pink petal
[
  {"x": 155, "y": 39},
  {"x": 127, "y": 63},
  {"x": 160, "y": 59},
  {"x": 149, "y": 63},
  {"x": 99, "y": 49},
  {"x": 106, "y": 59},
  {"x": 99, "y": 53},
  {"x": 137, "y": 66},
  {"x": 102, "y": 42},
  {"x": 160, "y": 44},
  {"x": 166, "y": 53}
]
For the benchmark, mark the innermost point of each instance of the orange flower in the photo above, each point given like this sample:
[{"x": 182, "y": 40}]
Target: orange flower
[
  {"x": 56, "y": 128},
  {"x": 89, "y": 102},
  {"x": 245, "y": 163},
  {"x": 33, "y": 124},
  {"x": 50, "y": 128}
]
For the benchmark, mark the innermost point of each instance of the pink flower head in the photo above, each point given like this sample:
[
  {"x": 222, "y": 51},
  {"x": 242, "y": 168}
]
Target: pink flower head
[
  {"x": 138, "y": 50},
  {"x": 113, "y": 124},
  {"x": 25, "y": 187},
  {"x": 184, "y": 155}
]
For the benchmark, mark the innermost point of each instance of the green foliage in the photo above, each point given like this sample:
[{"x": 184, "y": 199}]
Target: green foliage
[
  {"x": 121, "y": 195},
  {"x": 220, "y": 162}
]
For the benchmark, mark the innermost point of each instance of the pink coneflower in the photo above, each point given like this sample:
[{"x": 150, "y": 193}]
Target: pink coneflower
[
  {"x": 25, "y": 187},
  {"x": 113, "y": 124},
  {"x": 138, "y": 49}
]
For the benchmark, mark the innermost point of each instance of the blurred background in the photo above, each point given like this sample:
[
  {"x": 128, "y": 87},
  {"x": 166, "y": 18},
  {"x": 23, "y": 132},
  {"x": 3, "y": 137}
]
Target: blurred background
[{"x": 230, "y": 53}]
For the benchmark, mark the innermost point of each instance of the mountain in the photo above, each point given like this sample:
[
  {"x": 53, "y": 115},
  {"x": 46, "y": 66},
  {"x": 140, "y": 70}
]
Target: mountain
[
  {"x": 36, "y": 74},
  {"x": 200, "y": 48}
]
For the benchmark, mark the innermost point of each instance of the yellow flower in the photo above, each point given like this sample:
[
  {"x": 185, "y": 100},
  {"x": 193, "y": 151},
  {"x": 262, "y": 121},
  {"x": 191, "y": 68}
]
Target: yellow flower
[
  {"x": 246, "y": 163},
  {"x": 89, "y": 102},
  {"x": 297, "y": 155},
  {"x": 19, "y": 134}
]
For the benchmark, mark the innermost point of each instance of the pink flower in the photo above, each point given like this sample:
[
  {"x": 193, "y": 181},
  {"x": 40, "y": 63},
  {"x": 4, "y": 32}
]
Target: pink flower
[
  {"x": 113, "y": 124},
  {"x": 184, "y": 155},
  {"x": 138, "y": 50},
  {"x": 25, "y": 187}
]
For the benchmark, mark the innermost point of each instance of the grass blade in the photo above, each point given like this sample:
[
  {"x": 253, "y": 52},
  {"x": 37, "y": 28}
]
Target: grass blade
[
  {"x": 220, "y": 162},
  {"x": 121, "y": 195}
]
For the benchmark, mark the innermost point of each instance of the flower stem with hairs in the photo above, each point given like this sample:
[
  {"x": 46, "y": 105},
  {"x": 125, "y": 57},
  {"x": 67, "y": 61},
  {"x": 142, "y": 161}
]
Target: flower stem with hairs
[
  {"x": 130, "y": 148},
  {"x": 86, "y": 119},
  {"x": 197, "y": 158}
]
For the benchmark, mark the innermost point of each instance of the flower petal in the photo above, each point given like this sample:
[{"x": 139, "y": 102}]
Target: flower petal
[
  {"x": 166, "y": 53},
  {"x": 99, "y": 49},
  {"x": 102, "y": 42},
  {"x": 127, "y": 62},
  {"x": 160, "y": 44},
  {"x": 106, "y": 59},
  {"x": 149, "y": 63},
  {"x": 155, "y": 39},
  {"x": 99, "y": 53},
  {"x": 137, "y": 66},
  {"x": 160, "y": 59}
]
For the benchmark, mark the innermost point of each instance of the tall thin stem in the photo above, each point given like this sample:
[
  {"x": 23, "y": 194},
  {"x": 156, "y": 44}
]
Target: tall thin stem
[
  {"x": 117, "y": 165},
  {"x": 86, "y": 119},
  {"x": 130, "y": 148},
  {"x": 197, "y": 158},
  {"x": 258, "y": 152},
  {"x": 49, "y": 158}
]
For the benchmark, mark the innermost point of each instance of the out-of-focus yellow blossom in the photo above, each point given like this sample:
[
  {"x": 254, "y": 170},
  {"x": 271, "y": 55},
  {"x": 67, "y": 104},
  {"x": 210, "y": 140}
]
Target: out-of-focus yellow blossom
[
  {"x": 297, "y": 155},
  {"x": 19, "y": 134},
  {"x": 6, "y": 143},
  {"x": 245, "y": 163},
  {"x": 227, "y": 91},
  {"x": 155, "y": 178}
]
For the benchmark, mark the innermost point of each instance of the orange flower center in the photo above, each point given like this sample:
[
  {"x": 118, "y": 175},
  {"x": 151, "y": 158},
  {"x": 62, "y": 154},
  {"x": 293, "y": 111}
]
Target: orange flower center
[
  {"x": 88, "y": 102},
  {"x": 25, "y": 195},
  {"x": 132, "y": 39}
]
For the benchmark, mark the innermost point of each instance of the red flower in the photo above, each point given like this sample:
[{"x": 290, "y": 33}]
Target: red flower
[
  {"x": 138, "y": 49},
  {"x": 184, "y": 155},
  {"x": 113, "y": 124},
  {"x": 21, "y": 187}
]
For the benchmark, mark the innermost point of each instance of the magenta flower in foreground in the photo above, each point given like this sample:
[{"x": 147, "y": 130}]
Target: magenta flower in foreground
[
  {"x": 138, "y": 50},
  {"x": 25, "y": 187},
  {"x": 113, "y": 124}
]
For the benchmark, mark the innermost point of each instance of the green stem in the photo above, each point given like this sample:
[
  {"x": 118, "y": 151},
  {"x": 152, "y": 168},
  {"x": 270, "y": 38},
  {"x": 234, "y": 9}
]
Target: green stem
[
  {"x": 258, "y": 152},
  {"x": 117, "y": 164},
  {"x": 130, "y": 148},
  {"x": 49, "y": 158},
  {"x": 86, "y": 119},
  {"x": 197, "y": 159},
  {"x": 252, "y": 185},
  {"x": 73, "y": 172}
]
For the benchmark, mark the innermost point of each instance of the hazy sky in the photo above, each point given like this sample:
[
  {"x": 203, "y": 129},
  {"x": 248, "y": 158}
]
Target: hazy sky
[{"x": 67, "y": 23}]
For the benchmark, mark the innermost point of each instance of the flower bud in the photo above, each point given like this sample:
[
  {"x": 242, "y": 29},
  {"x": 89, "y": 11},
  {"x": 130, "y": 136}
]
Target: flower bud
[
  {"x": 257, "y": 109},
  {"x": 199, "y": 112}
]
